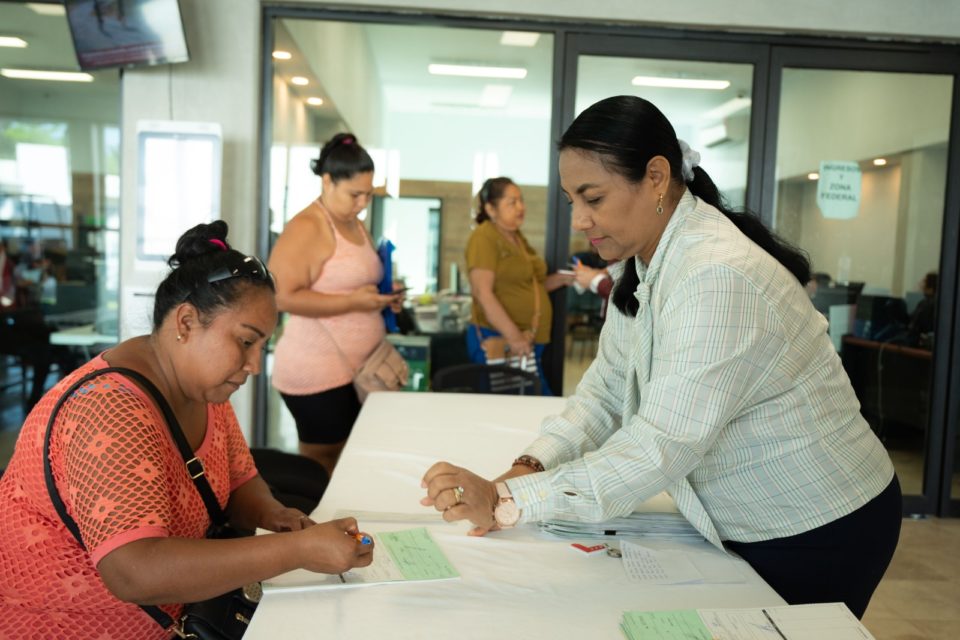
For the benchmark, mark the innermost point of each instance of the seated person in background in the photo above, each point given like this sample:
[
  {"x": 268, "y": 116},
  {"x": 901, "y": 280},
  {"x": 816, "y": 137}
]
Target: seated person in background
[
  {"x": 124, "y": 482},
  {"x": 714, "y": 380},
  {"x": 923, "y": 319}
]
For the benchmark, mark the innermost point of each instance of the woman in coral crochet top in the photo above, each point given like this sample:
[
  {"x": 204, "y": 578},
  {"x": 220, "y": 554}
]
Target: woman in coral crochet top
[{"x": 123, "y": 481}]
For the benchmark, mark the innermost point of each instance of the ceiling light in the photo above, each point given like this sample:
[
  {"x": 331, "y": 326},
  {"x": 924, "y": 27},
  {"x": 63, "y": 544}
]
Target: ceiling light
[
  {"x": 316, "y": 102},
  {"x": 679, "y": 83},
  {"x": 477, "y": 71},
  {"x": 879, "y": 162},
  {"x": 519, "y": 38},
  {"x": 34, "y": 74},
  {"x": 727, "y": 109},
  {"x": 495, "y": 96},
  {"x": 11, "y": 41},
  {"x": 282, "y": 55},
  {"x": 813, "y": 176},
  {"x": 47, "y": 9},
  {"x": 300, "y": 81}
]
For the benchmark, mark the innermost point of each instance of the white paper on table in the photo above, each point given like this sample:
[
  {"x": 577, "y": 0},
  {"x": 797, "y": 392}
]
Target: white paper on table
[
  {"x": 423, "y": 553},
  {"x": 827, "y": 621},
  {"x": 657, "y": 567}
]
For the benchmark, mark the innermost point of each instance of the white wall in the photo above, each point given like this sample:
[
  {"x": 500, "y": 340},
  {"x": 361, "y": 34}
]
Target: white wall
[
  {"x": 522, "y": 146},
  {"x": 853, "y": 115},
  {"x": 221, "y": 83},
  {"x": 339, "y": 57}
]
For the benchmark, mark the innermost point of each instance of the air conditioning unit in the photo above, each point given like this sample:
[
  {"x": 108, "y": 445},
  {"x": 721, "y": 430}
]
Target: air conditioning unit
[{"x": 732, "y": 129}]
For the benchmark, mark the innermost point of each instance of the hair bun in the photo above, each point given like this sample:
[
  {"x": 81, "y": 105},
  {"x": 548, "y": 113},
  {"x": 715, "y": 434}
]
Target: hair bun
[{"x": 199, "y": 241}]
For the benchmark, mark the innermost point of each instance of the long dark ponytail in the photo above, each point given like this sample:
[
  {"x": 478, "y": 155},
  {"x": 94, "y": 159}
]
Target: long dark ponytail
[{"x": 627, "y": 132}]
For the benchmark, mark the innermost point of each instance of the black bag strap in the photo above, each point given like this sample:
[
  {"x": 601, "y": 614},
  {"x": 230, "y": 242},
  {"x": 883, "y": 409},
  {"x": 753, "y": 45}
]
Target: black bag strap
[{"x": 193, "y": 464}]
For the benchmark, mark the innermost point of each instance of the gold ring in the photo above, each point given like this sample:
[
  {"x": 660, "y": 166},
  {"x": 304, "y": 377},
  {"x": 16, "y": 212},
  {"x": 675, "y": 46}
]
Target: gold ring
[{"x": 457, "y": 494}]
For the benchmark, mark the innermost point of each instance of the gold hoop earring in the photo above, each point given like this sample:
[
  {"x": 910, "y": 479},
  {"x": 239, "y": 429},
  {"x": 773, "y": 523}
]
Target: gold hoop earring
[{"x": 660, "y": 205}]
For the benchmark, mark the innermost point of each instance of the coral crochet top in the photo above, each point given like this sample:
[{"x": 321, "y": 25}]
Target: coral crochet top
[
  {"x": 122, "y": 479},
  {"x": 306, "y": 359}
]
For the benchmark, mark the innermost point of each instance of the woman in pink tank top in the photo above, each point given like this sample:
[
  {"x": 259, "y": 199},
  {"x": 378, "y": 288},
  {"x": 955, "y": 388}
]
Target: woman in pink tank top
[{"x": 327, "y": 272}]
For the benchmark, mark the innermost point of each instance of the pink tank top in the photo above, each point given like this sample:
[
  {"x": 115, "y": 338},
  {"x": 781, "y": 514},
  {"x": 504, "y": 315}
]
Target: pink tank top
[{"x": 306, "y": 359}]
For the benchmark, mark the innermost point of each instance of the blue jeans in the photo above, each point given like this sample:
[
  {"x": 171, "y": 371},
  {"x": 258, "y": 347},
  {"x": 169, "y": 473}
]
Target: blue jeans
[{"x": 475, "y": 351}]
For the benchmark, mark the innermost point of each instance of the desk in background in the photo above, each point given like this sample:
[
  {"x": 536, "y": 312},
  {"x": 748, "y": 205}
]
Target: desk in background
[
  {"x": 531, "y": 584},
  {"x": 891, "y": 381},
  {"x": 84, "y": 336}
]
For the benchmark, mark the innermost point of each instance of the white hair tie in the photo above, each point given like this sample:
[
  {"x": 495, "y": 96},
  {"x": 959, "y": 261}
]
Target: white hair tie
[{"x": 691, "y": 159}]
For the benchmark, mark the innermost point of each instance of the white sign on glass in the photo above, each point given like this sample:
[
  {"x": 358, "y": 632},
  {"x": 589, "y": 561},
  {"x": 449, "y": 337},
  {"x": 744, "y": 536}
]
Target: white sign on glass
[
  {"x": 178, "y": 185},
  {"x": 838, "y": 189}
]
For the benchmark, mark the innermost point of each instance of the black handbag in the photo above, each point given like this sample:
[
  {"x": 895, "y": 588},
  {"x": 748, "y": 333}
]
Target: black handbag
[{"x": 225, "y": 617}]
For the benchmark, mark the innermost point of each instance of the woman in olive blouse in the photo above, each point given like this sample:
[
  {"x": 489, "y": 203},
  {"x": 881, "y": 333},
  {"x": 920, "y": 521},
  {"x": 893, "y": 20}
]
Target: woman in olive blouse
[{"x": 508, "y": 279}]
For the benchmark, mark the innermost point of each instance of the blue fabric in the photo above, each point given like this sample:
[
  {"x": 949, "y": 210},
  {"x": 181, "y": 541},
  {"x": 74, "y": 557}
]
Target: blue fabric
[
  {"x": 385, "y": 251},
  {"x": 476, "y": 354}
]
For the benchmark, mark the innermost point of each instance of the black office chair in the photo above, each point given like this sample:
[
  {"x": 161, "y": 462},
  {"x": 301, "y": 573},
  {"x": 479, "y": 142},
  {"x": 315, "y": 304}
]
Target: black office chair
[{"x": 486, "y": 378}]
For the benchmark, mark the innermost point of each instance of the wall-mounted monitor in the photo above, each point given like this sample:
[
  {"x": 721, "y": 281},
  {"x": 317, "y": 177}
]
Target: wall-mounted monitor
[{"x": 126, "y": 33}]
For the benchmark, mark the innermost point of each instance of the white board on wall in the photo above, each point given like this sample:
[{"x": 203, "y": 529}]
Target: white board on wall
[{"x": 178, "y": 184}]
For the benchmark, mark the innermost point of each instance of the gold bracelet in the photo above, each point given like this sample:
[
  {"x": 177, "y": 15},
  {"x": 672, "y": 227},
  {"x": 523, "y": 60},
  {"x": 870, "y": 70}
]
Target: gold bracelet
[{"x": 528, "y": 461}]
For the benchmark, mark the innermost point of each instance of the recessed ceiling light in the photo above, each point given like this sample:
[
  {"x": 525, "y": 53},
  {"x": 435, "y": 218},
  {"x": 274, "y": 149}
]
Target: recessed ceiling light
[
  {"x": 282, "y": 55},
  {"x": 316, "y": 102},
  {"x": 13, "y": 42},
  {"x": 47, "y": 9},
  {"x": 679, "y": 83},
  {"x": 879, "y": 162},
  {"x": 813, "y": 176},
  {"x": 477, "y": 71},
  {"x": 519, "y": 38},
  {"x": 300, "y": 81},
  {"x": 36, "y": 74}
]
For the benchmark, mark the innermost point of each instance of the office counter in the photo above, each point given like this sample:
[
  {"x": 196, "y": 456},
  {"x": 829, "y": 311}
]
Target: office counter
[{"x": 517, "y": 583}]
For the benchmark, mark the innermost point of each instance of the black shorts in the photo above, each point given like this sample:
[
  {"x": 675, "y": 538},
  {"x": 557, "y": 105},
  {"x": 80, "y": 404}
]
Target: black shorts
[{"x": 326, "y": 417}]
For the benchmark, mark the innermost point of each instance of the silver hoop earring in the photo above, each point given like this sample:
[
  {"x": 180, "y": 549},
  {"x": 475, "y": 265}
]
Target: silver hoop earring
[{"x": 660, "y": 205}]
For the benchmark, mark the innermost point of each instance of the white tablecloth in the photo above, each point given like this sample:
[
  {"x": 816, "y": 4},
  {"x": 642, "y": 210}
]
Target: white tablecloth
[{"x": 518, "y": 583}]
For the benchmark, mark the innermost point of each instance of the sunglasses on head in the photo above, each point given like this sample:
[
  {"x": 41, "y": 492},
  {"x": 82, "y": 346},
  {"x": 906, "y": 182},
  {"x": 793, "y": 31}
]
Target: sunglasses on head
[{"x": 251, "y": 267}]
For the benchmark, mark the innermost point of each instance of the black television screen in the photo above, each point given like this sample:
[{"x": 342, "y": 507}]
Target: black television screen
[{"x": 126, "y": 33}]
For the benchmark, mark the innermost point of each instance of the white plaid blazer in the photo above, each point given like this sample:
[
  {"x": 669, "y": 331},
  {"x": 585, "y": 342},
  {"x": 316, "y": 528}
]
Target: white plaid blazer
[{"x": 724, "y": 390}]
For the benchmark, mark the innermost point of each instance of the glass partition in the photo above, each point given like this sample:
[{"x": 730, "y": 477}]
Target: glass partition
[
  {"x": 709, "y": 105},
  {"x": 59, "y": 212},
  {"x": 424, "y": 102},
  {"x": 861, "y": 179}
]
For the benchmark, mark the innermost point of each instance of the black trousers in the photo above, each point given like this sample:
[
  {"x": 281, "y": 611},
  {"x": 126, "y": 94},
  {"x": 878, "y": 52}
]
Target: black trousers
[{"x": 841, "y": 561}]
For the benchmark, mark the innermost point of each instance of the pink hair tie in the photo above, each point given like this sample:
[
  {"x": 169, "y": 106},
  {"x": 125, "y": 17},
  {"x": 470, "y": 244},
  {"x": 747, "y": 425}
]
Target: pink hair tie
[
  {"x": 348, "y": 140},
  {"x": 219, "y": 243}
]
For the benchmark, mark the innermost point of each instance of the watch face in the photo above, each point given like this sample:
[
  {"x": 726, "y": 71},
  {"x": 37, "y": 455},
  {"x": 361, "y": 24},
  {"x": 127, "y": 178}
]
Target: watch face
[{"x": 506, "y": 514}]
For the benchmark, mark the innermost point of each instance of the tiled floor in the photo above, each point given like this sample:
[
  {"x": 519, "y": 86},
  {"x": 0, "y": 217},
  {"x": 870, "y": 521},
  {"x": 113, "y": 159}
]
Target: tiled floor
[{"x": 919, "y": 597}]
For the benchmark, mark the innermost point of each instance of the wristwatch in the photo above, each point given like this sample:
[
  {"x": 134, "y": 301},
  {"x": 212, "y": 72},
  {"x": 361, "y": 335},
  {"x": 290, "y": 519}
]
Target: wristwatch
[{"x": 505, "y": 513}]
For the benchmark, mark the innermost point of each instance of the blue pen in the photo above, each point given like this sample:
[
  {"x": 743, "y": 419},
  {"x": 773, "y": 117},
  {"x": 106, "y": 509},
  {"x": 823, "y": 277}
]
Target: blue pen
[{"x": 362, "y": 539}]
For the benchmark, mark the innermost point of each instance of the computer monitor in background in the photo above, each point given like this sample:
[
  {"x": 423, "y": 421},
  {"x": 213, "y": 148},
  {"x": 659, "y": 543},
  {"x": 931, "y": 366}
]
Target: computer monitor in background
[
  {"x": 881, "y": 318},
  {"x": 826, "y": 297},
  {"x": 126, "y": 33}
]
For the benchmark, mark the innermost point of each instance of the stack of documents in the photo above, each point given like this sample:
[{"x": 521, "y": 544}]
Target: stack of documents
[
  {"x": 657, "y": 517},
  {"x": 830, "y": 621}
]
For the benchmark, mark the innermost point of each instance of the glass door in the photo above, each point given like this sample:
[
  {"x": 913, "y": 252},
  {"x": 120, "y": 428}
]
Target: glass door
[
  {"x": 858, "y": 179},
  {"x": 709, "y": 92}
]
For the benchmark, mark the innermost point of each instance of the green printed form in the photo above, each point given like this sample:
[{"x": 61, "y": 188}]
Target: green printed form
[
  {"x": 417, "y": 555},
  {"x": 684, "y": 624}
]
